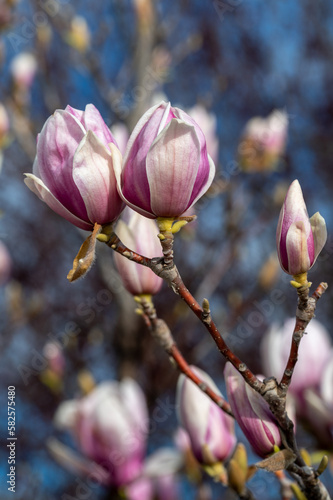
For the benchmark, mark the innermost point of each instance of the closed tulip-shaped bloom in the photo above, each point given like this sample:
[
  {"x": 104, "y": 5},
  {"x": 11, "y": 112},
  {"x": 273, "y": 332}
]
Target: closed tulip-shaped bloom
[
  {"x": 211, "y": 431},
  {"x": 299, "y": 239},
  {"x": 166, "y": 167},
  {"x": 110, "y": 427},
  {"x": 73, "y": 170},
  {"x": 252, "y": 413},
  {"x": 139, "y": 234},
  {"x": 314, "y": 352}
]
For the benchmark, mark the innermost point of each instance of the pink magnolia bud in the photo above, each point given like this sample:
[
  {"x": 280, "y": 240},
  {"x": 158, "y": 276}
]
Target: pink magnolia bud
[
  {"x": 139, "y": 234},
  {"x": 23, "y": 68},
  {"x": 313, "y": 352},
  {"x": 299, "y": 239},
  {"x": 252, "y": 413},
  {"x": 73, "y": 169},
  {"x": 210, "y": 430},
  {"x": 110, "y": 427},
  {"x": 166, "y": 166}
]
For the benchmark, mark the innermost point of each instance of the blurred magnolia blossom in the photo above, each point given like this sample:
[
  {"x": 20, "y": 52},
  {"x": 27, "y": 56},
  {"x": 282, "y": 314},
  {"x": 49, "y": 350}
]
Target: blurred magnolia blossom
[
  {"x": 121, "y": 134},
  {"x": 78, "y": 35},
  {"x": 263, "y": 142},
  {"x": 318, "y": 407},
  {"x": 139, "y": 234},
  {"x": 210, "y": 430},
  {"x": 7, "y": 13},
  {"x": 252, "y": 413},
  {"x": 23, "y": 69},
  {"x": 314, "y": 352},
  {"x": 4, "y": 125},
  {"x": 55, "y": 357},
  {"x": 208, "y": 124},
  {"x": 4, "y": 131},
  {"x": 110, "y": 427},
  {"x": 5, "y": 264},
  {"x": 183, "y": 442},
  {"x": 158, "y": 480}
]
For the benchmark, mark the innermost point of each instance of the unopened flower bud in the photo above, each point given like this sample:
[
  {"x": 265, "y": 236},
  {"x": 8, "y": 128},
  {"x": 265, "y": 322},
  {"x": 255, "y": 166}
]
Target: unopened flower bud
[
  {"x": 73, "y": 169},
  {"x": 211, "y": 431},
  {"x": 139, "y": 234},
  {"x": 166, "y": 167},
  {"x": 252, "y": 413},
  {"x": 299, "y": 239}
]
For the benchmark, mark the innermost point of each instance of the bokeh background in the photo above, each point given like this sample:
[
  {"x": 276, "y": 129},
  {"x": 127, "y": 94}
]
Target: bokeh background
[{"x": 237, "y": 59}]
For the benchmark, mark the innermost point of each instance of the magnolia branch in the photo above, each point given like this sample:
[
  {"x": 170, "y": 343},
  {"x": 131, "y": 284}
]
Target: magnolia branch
[
  {"x": 304, "y": 314},
  {"x": 270, "y": 390},
  {"x": 161, "y": 332},
  {"x": 171, "y": 275}
]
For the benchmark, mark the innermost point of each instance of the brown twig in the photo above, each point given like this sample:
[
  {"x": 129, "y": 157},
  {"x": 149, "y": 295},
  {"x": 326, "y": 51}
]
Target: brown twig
[
  {"x": 171, "y": 274},
  {"x": 162, "y": 334}
]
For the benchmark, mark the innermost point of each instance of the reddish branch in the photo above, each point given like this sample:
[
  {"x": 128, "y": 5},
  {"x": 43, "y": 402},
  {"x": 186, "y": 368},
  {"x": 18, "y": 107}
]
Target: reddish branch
[
  {"x": 161, "y": 332},
  {"x": 170, "y": 274}
]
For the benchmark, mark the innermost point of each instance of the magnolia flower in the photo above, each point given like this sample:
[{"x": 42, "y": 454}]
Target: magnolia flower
[
  {"x": 299, "y": 239},
  {"x": 109, "y": 425},
  {"x": 263, "y": 142},
  {"x": 166, "y": 167},
  {"x": 252, "y": 413},
  {"x": 73, "y": 170},
  {"x": 211, "y": 431},
  {"x": 139, "y": 234},
  {"x": 312, "y": 357},
  {"x": 23, "y": 69}
]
